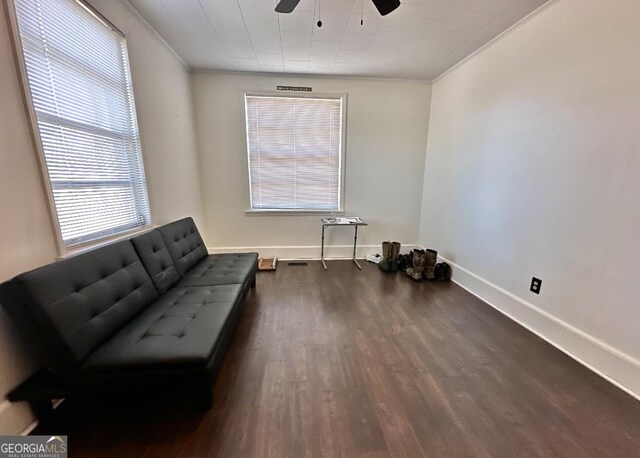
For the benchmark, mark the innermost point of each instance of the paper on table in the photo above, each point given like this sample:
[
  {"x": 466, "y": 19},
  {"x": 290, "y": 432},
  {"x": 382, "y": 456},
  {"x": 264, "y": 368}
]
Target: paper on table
[{"x": 354, "y": 220}]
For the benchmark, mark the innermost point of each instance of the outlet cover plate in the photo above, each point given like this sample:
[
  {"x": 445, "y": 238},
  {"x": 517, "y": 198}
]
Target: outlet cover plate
[{"x": 536, "y": 284}]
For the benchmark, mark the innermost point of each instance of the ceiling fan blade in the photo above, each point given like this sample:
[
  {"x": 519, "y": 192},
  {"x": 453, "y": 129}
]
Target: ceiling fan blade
[
  {"x": 286, "y": 6},
  {"x": 385, "y": 6}
]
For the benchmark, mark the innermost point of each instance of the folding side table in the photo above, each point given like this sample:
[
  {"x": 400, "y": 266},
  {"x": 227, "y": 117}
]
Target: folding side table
[{"x": 334, "y": 222}]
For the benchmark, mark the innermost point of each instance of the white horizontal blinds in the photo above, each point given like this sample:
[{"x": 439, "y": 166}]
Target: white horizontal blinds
[
  {"x": 78, "y": 73},
  {"x": 294, "y": 152}
]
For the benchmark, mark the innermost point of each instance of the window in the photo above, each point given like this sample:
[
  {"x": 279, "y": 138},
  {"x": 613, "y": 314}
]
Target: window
[
  {"x": 295, "y": 152},
  {"x": 78, "y": 75}
]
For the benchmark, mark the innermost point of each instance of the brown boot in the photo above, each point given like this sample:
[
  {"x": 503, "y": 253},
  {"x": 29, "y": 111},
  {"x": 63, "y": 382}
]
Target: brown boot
[
  {"x": 395, "y": 254},
  {"x": 431, "y": 259},
  {"x": 417, "y": 270},
  {"x": 409, "y": 270},
  {"x": 385, "y": 264}
]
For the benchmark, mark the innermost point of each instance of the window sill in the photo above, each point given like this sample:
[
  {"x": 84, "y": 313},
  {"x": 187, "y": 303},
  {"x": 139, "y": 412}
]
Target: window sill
[
  {"x": 92, "y": 245},
  {"x": 292, "y": 212}
]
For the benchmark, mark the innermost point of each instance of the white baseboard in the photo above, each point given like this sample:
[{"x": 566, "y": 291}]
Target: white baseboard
[
  {"x": 15, "y": 418},
  {"x": 617, "y": 367},
  {"x": 36, "y": 422},
  {"x": 308, "y": 251},
  {"x": 30, "y": 428}
]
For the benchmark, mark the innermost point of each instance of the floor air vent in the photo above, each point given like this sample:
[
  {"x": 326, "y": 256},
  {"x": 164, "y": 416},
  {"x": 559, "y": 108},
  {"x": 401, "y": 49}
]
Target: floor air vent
[{"x": 297, "y": 263}]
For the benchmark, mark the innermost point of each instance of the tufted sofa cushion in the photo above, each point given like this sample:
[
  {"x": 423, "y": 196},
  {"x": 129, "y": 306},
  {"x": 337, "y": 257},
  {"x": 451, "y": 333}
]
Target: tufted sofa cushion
[
  {"x": 75, "y": 305},
  {"x": 222, "y": 269},
  {"x": 98, "y": 320},
  {"x": 180, "y": 330},
  {"x": 156, "y": 259},
  {"x": 184, "y": 244}
]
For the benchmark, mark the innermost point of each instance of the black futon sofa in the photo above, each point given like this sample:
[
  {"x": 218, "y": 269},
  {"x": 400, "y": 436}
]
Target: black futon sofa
[{"x": 152, "y": 311}]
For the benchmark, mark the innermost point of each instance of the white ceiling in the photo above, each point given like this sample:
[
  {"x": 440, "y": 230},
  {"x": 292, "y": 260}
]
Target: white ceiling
[{"x": 419, "y": 40}]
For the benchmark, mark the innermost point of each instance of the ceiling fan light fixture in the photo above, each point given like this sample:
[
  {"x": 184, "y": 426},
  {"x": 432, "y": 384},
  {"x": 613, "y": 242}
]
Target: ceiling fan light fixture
[
  {"x": 386, "y": 6},
  {"x": 286, "y": 6}
]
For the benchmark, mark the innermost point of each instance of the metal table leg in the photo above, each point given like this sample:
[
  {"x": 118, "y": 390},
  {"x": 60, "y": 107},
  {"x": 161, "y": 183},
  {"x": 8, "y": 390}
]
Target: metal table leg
[
  {"x": 355, "y": 241},
  {"x": 324, "y": 264}
]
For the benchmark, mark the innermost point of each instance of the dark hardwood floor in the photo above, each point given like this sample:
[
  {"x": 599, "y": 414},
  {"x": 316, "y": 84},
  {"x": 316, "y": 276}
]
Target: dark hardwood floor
[{"x": 350, "y": 363}]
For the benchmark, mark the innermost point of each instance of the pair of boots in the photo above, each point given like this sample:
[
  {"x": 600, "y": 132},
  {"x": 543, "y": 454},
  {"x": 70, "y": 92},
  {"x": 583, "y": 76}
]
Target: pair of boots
[
  {"x": 390, "y": 255},
  {"x": 424, "y": 264}
]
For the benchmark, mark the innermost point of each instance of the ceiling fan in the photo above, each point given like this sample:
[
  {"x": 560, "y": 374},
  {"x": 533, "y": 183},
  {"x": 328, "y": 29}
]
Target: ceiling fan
[{"x": 383, "y": 6}]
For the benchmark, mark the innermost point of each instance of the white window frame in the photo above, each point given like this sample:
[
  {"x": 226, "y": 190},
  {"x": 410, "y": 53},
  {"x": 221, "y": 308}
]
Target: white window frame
[
  {"x": 63, "y": 249},
  {"x": 342, "y": 161}
]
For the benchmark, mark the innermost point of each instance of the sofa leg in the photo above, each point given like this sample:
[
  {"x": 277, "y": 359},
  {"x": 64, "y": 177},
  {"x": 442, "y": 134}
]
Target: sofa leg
[
  {"x": 206, "y": 396},
  {"x": 43, "y": 410},
  {"x": 206, "y": 401},
  {"x": 253, "y": 282}
]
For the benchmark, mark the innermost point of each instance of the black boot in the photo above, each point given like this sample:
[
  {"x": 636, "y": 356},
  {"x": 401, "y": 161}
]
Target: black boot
[{"x": 404, "y": 262}]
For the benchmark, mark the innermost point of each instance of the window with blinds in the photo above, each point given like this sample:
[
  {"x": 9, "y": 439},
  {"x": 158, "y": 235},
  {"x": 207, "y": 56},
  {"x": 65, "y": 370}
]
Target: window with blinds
[
  {"x": 78, "y": 74},
  {"x": 295, "y": 152}
]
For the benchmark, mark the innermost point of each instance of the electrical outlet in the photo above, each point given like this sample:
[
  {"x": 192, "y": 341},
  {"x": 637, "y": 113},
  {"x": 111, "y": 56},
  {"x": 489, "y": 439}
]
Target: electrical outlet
[{"x": 536, "y": 284}]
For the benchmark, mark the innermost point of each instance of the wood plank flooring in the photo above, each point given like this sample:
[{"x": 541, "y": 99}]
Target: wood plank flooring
[{"x": 366, "y": 364}]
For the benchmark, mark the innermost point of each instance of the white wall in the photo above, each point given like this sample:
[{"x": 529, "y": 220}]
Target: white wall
[
  {"x": 386, "y": 141},
  {"x": 533, "y": 169},
  {"x": 162, "y": 90},
  {"x": 26, "y": 238},
  {"x": 163, "y": 98}
]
